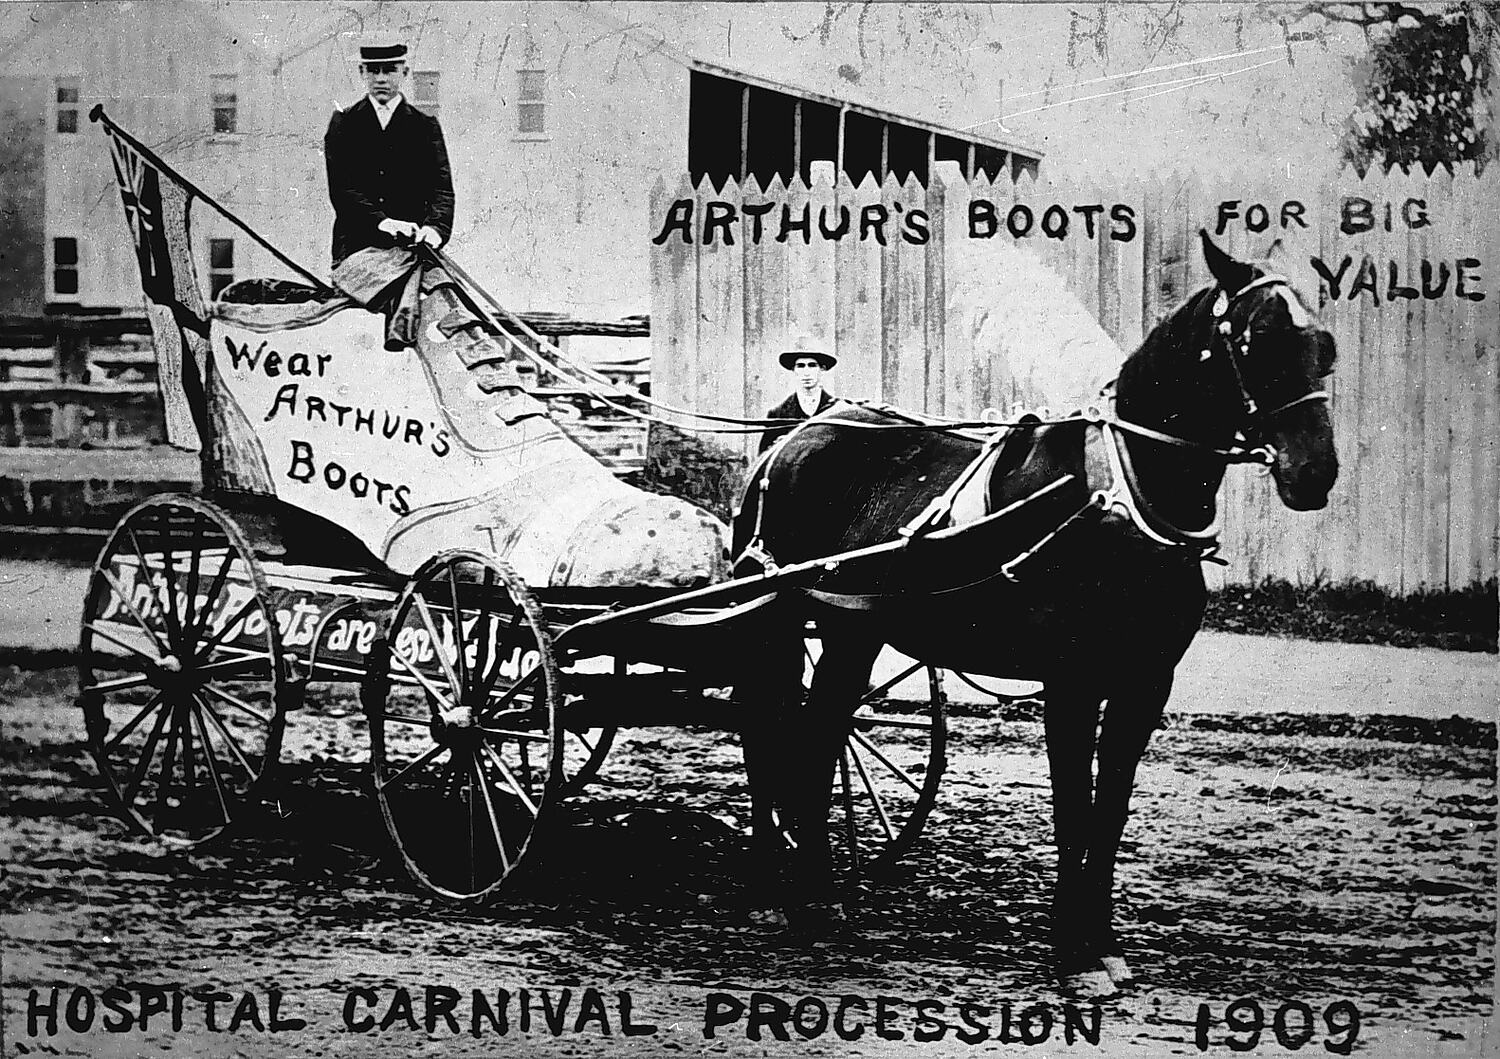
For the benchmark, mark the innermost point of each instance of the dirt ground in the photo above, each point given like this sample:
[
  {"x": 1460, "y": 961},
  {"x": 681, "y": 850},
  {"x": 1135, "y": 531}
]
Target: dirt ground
[{"x": 1298, "y": 860}]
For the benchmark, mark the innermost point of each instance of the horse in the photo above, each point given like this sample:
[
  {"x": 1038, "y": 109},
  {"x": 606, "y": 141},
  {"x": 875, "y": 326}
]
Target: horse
[{"x": 1079, "y": 567}]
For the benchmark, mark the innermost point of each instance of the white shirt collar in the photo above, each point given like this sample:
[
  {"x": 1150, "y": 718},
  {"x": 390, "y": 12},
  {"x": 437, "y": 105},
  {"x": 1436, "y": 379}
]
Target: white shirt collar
[{"x": 383, "y": 112}]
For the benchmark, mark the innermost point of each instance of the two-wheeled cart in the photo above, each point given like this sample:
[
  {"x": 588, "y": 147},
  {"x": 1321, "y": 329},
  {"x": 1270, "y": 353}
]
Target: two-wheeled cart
[{"x": 488, "y": 701}]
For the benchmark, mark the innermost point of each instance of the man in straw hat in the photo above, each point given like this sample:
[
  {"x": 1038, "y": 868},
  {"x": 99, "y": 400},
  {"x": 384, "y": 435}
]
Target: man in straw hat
[
  {"x": 388, "y": 172},
  {"x": 807, "y": 360}
]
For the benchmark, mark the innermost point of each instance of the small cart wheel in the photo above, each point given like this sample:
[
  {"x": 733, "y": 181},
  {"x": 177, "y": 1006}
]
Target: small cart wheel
[
  {"x": 465, "y": 746},
  {"x": 181, "y": 677},
  {"x": 887, "y": 778}
]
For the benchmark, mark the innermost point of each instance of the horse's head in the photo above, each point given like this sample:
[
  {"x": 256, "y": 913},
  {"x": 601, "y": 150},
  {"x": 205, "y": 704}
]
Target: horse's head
[{"x": 1263, "y": 358}]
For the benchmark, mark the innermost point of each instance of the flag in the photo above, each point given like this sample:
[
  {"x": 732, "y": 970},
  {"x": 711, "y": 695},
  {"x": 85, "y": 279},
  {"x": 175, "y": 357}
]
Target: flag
[{"x": 156, "y": 209}]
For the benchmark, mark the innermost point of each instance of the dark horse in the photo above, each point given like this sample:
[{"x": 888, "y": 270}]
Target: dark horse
[{"x": 1101, "y": 610}]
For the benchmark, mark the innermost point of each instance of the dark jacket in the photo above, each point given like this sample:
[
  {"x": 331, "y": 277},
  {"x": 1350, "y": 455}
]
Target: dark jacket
[
  {"x": 791, "y": 408},
  {"x": 398, "y": 172}
]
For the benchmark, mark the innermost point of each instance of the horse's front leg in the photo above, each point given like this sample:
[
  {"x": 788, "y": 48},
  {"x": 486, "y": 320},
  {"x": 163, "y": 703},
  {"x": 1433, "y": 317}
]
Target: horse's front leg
[
  {"x": 769, "y": 691},
  {"x": 1070, "y": 717},
  {"x": 839, "y": 681},
  {"x": 1132, "y": 715}
]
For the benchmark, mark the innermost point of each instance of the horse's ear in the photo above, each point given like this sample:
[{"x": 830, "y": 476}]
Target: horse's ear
[{"x": 1231, "y": 274}]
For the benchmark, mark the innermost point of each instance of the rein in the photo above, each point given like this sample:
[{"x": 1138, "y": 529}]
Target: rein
[{"x": 1123, "y": 495}]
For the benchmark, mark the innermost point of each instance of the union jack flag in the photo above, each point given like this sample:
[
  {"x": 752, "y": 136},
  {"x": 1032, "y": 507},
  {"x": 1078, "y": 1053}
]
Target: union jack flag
[{"x": 156, "y": 209}]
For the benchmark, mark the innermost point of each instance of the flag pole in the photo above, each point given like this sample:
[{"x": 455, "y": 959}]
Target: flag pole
[{"x": 97, "y": 114}]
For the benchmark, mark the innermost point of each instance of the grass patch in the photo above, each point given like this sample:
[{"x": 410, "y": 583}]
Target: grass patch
[{"x": 1359, "y": 612}]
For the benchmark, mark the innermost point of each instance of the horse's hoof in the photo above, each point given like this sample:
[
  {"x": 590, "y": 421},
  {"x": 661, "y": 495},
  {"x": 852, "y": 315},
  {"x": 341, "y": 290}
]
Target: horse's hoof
[
  {"x": 1090, "y": 985},
  {"x": 1118, "y": 970}
]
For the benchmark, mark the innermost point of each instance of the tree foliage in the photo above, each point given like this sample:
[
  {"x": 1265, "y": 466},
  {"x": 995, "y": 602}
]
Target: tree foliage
[{"x": 1425, "y": 93}]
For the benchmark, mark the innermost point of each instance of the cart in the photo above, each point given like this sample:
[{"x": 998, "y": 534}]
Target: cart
[{"x": 488, "y": 701}]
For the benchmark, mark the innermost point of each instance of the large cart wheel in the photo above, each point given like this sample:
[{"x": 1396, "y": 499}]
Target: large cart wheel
[
  {"x": 466, "y": 749},
  {"x": 181, "y": 677},
  {"x": 887, "y": 777}
]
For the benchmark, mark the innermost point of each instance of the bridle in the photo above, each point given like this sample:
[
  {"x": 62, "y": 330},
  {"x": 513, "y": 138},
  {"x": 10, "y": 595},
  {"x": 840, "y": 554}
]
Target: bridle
[{"x": 1235, "y": 349}]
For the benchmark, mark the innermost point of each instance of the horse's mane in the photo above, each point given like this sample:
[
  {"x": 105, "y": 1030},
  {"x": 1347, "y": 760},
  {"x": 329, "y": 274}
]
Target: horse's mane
[{"x": 1152, "y": 358}]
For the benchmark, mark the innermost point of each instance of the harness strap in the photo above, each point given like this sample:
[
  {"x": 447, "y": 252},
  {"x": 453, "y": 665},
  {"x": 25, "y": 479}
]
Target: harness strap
[{"x": 938, "y": 509}]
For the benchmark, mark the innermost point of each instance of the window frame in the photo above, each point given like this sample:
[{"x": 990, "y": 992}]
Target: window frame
[
  {"x": 72, "y": 108},
  {"x": 531, "y": 103},
  {"x": 56, "y": 266},
  {"x": 216, "y": 272},
  {"x": 216, "y": 104}
]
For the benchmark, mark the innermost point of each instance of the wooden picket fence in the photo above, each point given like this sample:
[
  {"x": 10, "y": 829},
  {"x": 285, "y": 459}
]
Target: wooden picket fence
[{"x": 1416, "y": 400}]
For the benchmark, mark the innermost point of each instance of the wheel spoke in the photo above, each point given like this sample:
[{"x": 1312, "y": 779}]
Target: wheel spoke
[
  {"x": 174, "y": 624},
  {"x": 851, "y": 829},
  {"x": 226, "y": 735},
  {"x": 190, "y": 613},
  {"x": 885, "y": 821},
  {"x": 511, "y": 733},
  {"x": 169, "y": 757},
  {"x": 212, "y": 597},
  {"x": 124, "y": 596},
  {"x": 420, "y": 722},
  {"x": 400, "y": 777},
  {"x": 473, "y": 811},
  {"x": 458, "y": 628},
  {"x": 210, "y": 765},
  {"x": 135, "y": 680},
  {"x": 431, "y": 688},
  {"x": 489, "y": 808},
  {"x": 97, "y": 631},
  {"x": 454, "y": 776},
  {"x": 510, "y": 778},
  {"x": 238, "y": 703},
  {"x": 438, "y": 647},
  {"x": 522, "y": 683},
  {"x": 870, "y": 720},
  {"x": 895, "y": 769},
  {"x": 875, "y": 693},
  {"x": 189, "y": 778},
  {"x": 225, "y": 629},
  {"x": 590, "y": 747},
  {"x": 146, "y": 575},
  {"x": 484, "y": 631},
  {"x": 130, "y": 725},
  {"x": 144, "y": 764},
  {"x": 248, "y": 665}
]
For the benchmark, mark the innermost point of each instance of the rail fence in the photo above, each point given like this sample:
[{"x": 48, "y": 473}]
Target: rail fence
[{"x": 1406, "y": 269}]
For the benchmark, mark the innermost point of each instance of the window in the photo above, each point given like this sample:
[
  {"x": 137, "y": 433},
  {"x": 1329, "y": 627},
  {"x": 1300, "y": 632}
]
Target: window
[
  {"x": 220, "y": 265},
  {"x": 65, "y": 267},
  {"x": 424, "y": 91},
  {"x": 67, "y": 105},
  {"x": 226, "y": 103},
  {"x": 532, "y": 120}
]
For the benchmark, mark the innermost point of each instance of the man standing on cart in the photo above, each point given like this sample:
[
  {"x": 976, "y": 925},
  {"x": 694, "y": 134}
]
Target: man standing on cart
[
  {"x": 388, "y": 173},
  {"x": 392, "y": 189}
]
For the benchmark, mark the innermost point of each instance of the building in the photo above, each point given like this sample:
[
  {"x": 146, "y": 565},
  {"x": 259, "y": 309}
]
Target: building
[{"x": 559, "y": 117}]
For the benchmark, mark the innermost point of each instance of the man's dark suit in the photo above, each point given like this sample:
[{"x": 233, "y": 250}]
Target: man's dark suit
[
  {"x": 398, "y": 172},
  {"x": 791, "y": 408}
]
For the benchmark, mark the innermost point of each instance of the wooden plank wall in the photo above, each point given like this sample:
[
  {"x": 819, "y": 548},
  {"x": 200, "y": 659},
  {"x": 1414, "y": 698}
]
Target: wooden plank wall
[{"x": 1416, "y": 396}]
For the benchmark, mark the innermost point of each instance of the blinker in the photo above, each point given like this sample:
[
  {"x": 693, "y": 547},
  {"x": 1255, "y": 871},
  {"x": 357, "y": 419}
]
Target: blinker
[{"x": 1221, "y": 305}]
